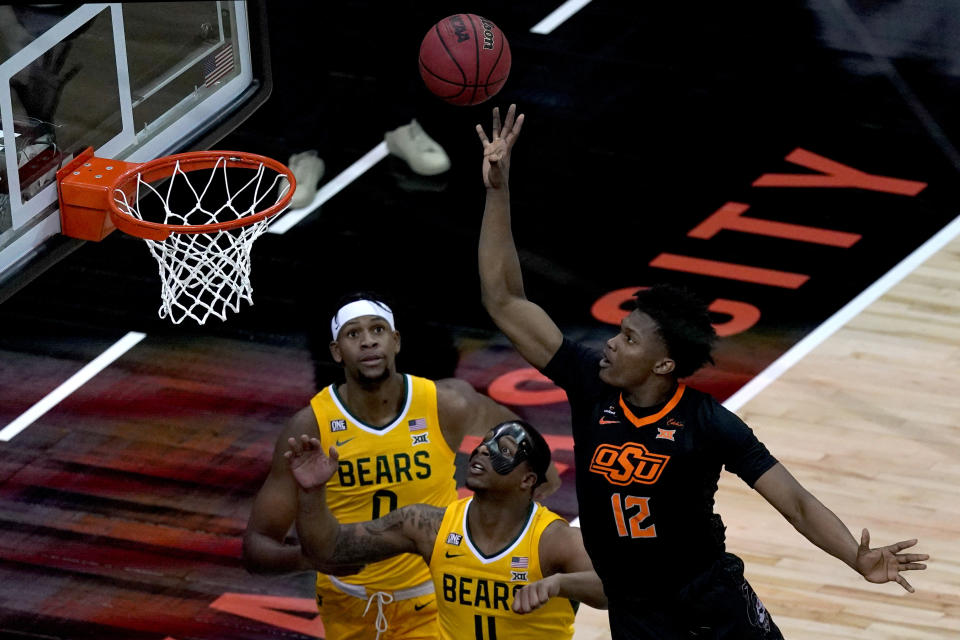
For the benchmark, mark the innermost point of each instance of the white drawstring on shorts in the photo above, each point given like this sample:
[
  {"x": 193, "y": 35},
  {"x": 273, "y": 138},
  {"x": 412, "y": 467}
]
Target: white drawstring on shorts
[{"x": 382, "y": 598}]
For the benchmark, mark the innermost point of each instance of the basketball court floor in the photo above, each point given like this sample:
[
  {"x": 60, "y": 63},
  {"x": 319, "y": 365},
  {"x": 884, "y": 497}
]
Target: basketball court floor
[{"x": 796, "y": 162}]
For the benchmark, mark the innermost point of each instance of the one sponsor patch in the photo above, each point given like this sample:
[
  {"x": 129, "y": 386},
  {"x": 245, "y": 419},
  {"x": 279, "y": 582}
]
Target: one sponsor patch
[
  {"x": 420, "y": 438},
  {"x": 454, "y": 539},
  {"x": 665, "y": 434},
  {"x": 518, "y": 576},
  {"x": 338, "y": 425}
]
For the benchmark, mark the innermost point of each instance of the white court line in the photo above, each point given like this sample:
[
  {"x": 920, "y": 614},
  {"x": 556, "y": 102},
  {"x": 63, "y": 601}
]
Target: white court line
[
  {"x": 559, "y": 16},
  {"x": 293, "y": 216},
  {"x": 905, "y": 267},
  {"x": 75, "y": 382},
  {"x": 281, "y": 225},
  {"x": 288, "y": 220}
]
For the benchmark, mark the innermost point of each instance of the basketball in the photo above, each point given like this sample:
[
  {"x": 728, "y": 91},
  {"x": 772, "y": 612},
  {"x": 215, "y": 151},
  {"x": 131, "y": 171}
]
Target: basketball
[{"x": 464, "y": 59}]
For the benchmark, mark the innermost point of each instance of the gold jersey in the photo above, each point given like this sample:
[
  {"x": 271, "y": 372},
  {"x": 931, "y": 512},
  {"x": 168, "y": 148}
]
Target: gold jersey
[
  {"x": 384, "y": 468},
  {"x": 475, "y": 591}
]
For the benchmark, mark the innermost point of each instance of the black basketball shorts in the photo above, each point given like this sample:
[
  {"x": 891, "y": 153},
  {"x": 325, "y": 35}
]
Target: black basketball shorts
[{"x": 719, "y": 603}]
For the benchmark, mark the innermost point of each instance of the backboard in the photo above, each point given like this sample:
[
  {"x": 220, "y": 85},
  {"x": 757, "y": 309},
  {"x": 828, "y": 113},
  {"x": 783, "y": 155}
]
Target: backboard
[{"x": 135, "y": 81}]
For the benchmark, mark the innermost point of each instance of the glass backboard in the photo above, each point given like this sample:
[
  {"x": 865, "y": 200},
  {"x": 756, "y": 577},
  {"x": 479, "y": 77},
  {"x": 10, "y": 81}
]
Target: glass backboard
[{"x": 135, "y": 81}]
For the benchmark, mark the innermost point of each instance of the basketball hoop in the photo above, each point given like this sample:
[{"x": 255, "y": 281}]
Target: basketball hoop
[{"x": 200, "y": 226}]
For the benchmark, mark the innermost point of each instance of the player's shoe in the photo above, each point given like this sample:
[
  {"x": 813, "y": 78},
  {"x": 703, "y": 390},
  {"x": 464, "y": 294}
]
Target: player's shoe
[
  {"x": 411, "y": 144},
  {"x": 307, "y": 168}
]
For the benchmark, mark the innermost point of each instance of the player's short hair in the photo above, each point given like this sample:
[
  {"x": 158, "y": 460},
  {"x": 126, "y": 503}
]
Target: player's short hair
[{"x": 683, "y": 322}]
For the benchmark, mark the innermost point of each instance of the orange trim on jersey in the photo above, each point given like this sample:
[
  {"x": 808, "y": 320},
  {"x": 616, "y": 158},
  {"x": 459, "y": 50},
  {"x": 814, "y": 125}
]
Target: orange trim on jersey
[{"x": 641, "y": 422}]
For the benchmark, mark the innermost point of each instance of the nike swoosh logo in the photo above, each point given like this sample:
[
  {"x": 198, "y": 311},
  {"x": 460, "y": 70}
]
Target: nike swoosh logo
[
  {"x": 417, "y": 607},
  {"x": 452, "y": 555},
  {"x": 605, "y": 421},
  {"x": 340, "y": 443}
]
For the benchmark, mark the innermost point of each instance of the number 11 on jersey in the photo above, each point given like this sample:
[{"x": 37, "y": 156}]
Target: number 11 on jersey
[
  {"x": 491, "y": 627},
  {"x": 643, "y": 512}
]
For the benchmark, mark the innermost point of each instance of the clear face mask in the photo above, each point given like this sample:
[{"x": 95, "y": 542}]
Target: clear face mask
[{"x": 506, "y": 455}]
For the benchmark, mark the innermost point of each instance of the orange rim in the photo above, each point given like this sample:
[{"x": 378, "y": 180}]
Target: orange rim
[{"x": 193, "y": 161}]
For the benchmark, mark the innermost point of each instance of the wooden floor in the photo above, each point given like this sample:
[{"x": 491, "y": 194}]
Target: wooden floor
[{"x": 869, "y": 422}]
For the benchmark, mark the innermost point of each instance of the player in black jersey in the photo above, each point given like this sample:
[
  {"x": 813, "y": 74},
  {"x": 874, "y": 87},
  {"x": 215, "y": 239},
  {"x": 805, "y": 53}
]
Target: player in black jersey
[{"x": 649, "y": 450}]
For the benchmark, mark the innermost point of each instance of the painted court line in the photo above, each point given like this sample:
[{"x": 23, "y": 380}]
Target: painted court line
[
  {"x": 906, "y": 266},
  {"x": 332, "y": 188},
  {"x": 284, "y": 223},
  {"x": 281, "y": 225},
  {"x": 75, "y": 381},
  {"x": 559, "y": 16}
]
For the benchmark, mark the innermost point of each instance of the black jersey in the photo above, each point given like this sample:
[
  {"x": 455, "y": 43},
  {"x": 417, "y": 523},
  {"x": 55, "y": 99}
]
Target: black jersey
[{"x": 646, "y": 477}]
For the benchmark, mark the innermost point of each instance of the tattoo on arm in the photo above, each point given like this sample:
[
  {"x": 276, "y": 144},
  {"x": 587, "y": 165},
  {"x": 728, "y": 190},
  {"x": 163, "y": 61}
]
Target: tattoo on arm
[{"x": 410, "y": 529}]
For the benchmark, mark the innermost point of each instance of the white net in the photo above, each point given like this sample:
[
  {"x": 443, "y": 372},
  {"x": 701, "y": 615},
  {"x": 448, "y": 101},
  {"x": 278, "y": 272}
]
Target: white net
[{"x": 207, "y": 273}]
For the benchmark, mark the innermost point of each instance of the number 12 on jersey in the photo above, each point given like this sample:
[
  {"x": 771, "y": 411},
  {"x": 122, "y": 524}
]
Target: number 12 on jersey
[{"x": 625, "y": 506}]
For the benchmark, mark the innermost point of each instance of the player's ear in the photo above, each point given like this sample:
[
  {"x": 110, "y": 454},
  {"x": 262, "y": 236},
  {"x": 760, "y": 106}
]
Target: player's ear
[
  {"x": 529, "y": 481},
  {"x": 664, "y": 366},
  {"x": 335, "y": 351},
  {"x": 396, "y": 336}
]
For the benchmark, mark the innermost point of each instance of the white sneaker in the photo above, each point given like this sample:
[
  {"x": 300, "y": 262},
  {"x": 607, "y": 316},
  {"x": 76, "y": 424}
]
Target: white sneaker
[
  {"x": 411, "y": 144},
  {"x": 307, "y": 168}
]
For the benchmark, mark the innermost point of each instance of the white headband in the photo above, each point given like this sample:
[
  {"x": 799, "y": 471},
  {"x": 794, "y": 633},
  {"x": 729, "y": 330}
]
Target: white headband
[{"x": 359, "y": 308}]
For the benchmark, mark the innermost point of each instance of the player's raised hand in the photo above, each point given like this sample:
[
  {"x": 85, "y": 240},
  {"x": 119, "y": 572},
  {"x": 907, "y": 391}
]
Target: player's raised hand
[
  {"x": 535, "y": 595},
  {"x": 497, "y": 148},
  {"x": 309, "y": 466},
  {"x": 885, "y": 564}
]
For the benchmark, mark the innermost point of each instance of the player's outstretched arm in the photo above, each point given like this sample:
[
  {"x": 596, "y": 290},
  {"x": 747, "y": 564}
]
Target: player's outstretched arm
[
  {"x": 527, "y": 325},
  {"x": 568, "y": 570},
  {"x": 823, "y": 528},
  {"x": 325, "y": 541}
]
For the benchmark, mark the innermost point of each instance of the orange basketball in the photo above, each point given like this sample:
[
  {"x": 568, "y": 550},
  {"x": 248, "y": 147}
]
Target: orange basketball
[{"x": 464, "y": 59}]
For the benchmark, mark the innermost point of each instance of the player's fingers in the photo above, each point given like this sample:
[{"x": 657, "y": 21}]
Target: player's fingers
[
  {"x": 903, "y": 583},
  {"x": 334, "y": 454},
  {"x": 496, "y": 122},
  {"x": 864, "y": 539},
  {"x": 903, "y": 544},
  {"x": 910, "y": 566},
  {"x": 912, "y": 557},
  {"x": 483, "y": 135},
  {"x": 517, "y": 126},
  {"x": 543, "y": 593},
  {"x": 295, "y": 445},
  {"x": 511, "y": 114},
  {"x": 520, "y": 601}
]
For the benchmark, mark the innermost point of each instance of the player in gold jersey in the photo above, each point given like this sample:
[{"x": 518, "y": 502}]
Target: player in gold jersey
[
  {"x": 398, "y": 435},
  {"x": 493, "y": 557}
]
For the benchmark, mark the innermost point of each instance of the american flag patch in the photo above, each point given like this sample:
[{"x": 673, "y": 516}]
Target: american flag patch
[
  {"x": 217, "y": 65},
  {"x": 418, "y": 425},
  {"x": 519, "y": 562}
]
